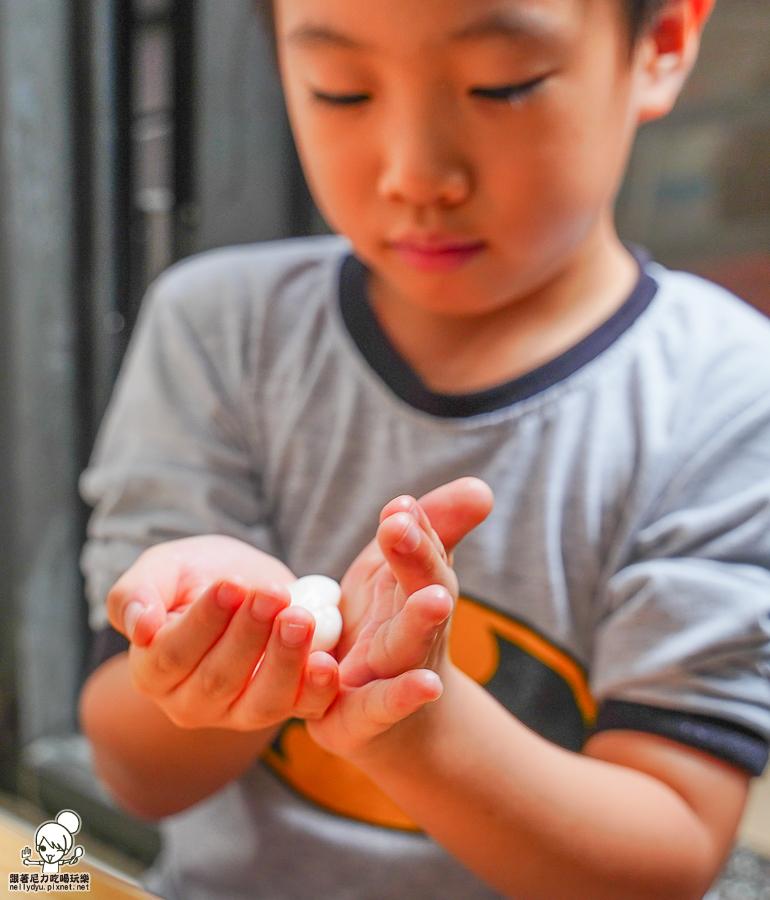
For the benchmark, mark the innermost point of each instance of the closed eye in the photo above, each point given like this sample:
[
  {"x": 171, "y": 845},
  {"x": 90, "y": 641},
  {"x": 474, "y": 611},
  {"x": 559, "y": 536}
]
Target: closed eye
[
  {"x": 340, "y": 99},
  {"x": 510, "y": 93}
]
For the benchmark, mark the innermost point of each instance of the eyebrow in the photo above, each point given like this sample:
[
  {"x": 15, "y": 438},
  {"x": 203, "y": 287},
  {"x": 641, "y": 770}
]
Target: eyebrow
[
  {"x": 309, "y": 35},
  {"x": 511, "y": 23}
]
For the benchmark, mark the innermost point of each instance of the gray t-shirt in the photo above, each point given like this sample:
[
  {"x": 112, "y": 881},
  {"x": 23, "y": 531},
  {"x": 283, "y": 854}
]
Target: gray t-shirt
[{"x": 624, "y": 569}]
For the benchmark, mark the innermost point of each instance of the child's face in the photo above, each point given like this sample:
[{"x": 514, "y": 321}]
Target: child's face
[{"x": 468, "y": 148}]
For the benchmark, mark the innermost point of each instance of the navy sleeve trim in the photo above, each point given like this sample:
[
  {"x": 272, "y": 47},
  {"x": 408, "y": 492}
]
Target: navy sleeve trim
[
  {"x": 728, "y": 741},
  {"x": 384, "y": 359},
  {"x": 106, "y": 644}
]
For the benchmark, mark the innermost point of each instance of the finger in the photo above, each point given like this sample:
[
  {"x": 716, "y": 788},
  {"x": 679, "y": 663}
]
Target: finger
[
  {"x": 412, "y": 554},
  {"x": 405, "y": 642},
  {"x": 407, "y": 504},
  {"x": 183, "y": 641},
  {"x": 138, "y": 615},
  {"x": 456, "y": 508},
  {"x": 225, "y": 670},
  {"x": 272, "y": 693},
  {"x": 138, "y": 601},
  {"x": 163, "y": 578},
  {"x": 173, "y": 574},
  {"x": 381, "y": 704},
  {"x": 363, "y": 569},
  {"x": 320, "y": 685}
]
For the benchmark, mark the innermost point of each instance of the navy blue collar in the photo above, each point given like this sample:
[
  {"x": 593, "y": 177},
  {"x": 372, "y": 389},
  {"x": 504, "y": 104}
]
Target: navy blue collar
[{"x": 383, "y": 357}]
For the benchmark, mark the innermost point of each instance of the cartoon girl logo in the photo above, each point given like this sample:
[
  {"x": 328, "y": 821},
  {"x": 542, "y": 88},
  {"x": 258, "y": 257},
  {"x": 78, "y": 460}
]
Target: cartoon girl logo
[{"x": 53, "y": 841}]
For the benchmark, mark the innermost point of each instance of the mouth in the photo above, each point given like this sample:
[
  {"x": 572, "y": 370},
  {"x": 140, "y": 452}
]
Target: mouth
[{"x": 436, "y": 253}]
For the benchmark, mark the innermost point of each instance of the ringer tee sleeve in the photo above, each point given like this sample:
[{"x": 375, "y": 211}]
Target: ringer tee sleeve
[
  {"x": 683, "y": 648},
  {"x": 179, "y": 452}
]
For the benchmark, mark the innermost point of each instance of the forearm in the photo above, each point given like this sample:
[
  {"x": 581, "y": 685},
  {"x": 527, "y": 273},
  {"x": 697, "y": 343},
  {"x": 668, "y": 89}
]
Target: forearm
[
  {"x": 150, "y": 765},
  {"x": 534, "y": 820}
]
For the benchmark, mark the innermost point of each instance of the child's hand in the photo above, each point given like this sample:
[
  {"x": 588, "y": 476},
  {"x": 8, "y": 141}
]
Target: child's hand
[
  {"x": 408, "y": 589},
  {"x": 214, "y": 649},
  {"x": 452, "y": 510}
]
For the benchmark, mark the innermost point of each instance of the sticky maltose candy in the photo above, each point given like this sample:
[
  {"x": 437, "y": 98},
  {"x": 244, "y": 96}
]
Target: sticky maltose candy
[{"x": 320, "y": 596}]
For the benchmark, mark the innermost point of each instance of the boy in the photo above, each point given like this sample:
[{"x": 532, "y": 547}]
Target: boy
[{"x": 490, "y": 324}]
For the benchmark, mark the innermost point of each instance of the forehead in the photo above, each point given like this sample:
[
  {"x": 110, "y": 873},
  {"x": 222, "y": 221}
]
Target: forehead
[{"x": 379, "y": 24}]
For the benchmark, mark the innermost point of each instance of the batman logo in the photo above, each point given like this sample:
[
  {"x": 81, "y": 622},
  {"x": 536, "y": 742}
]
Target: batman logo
[{"x": 539, "y": 683}]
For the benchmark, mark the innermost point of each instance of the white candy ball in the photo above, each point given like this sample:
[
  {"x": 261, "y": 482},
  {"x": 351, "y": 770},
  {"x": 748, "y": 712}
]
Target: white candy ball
[{"x": 321, "y": 596}]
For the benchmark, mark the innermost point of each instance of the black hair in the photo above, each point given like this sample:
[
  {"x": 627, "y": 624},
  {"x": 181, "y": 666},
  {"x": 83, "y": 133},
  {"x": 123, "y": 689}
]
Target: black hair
[
  {"x": 265, "y": 10},
  {"x": 639, "y": 14}
]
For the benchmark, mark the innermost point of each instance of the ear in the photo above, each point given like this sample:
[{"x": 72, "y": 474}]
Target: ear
[{"x": 666, "y": 54}]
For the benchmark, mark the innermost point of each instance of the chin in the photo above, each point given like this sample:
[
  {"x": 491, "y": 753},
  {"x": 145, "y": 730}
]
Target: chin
[{"x": 464, "y": 292}]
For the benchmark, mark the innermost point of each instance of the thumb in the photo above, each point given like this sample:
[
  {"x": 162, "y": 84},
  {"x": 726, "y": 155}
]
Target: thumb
[
  {"x": 379, "y": 705},
  {"x": 138, "y": 602},
  {"x": 456, "y": 508}
]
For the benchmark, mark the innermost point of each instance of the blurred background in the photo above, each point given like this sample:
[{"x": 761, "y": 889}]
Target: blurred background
[{"x": 137, "y": 132}]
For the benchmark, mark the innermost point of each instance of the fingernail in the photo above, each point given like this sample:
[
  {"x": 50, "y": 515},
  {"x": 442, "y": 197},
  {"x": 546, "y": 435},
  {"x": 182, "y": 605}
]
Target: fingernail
[
  {"x": 131, "y": 616},
  {"x": 321, "y": 677},
  {"x": 265, "y": 605},
  {"x": 410, "y": 538},
  {"x": 262, "y": 610},
  {"x": 294, "y": 633},
  {"x": 434, "y": 681},
  {"x": 228, "y": 595}
]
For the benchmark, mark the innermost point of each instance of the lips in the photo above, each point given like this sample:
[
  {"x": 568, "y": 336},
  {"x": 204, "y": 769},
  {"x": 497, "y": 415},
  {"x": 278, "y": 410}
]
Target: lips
[{"x": 436, "y": 253}]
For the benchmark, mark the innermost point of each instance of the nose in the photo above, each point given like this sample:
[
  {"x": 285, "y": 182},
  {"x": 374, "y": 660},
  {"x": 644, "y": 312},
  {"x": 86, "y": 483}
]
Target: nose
[{"x": 423, "y": 164}]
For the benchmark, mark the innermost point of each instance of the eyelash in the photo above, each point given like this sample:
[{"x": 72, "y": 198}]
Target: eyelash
[
  {"x": 340, "y": 99},
  {"x": 508, "y": 93}
]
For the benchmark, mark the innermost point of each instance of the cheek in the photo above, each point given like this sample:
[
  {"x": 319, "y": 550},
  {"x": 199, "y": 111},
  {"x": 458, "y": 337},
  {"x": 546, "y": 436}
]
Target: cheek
[
  {"x": 536, "y": 190},
  {"x": 567, "y": 167},
  {"x": 592, "y": 128},
  {"x": 337, "y": 169},
  {"x": 337, "y": 183}
]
